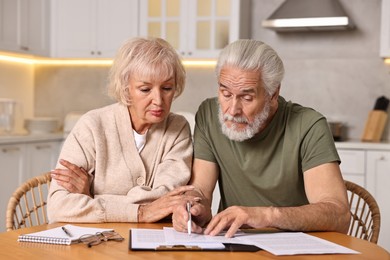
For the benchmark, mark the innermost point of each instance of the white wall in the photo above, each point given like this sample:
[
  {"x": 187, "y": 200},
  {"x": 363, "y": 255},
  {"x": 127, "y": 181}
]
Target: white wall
[{"x": 339, "y": 74}]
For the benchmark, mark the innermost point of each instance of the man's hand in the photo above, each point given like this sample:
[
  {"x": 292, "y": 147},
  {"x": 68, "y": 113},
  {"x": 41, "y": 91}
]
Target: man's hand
[
  {"x": 233, "y": 218},
  {"x": 200, "y": 213},
  {"x": 75, "y": 179}
]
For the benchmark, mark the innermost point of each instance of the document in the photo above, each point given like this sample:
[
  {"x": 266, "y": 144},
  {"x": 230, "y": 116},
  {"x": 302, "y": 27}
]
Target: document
[
  {"x": 156, "y": 238},
  {"x": 279, "y": 243},
  {"x": 294, "y": 243}
]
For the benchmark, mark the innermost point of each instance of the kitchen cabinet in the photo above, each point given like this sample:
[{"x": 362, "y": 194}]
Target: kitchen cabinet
[
  {"x": 385, "y": 29},
  {"x": 378, "y": 167},
  {"x": 11, "y": 161},
  {"x": 368, "y": 164},
  {"x": 196, "y": 28},
  {"x": 40, "y": 157},
  {"x": 21, "y": 161},
  {"x": 24, "y": 26},
  {"x": 353, "y": 165},
  {"x": 8, "y": 24},
  {"x": 91, "y": 28}
]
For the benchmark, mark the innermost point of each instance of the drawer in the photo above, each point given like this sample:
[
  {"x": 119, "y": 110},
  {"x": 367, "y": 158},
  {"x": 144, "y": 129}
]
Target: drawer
[{"x": 352, "y": 161}]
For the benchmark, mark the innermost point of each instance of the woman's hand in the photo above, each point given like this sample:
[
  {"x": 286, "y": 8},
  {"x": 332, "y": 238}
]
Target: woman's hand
[
  {"x": 75, "y": 179},
  {"x": 165, "y": 205}
]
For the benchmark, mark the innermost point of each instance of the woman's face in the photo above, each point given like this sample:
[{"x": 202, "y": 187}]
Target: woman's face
[{"x": 151, "y": 101}]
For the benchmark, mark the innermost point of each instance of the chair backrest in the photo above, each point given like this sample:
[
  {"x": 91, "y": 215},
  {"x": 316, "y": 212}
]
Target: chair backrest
[
  {"x": 365, "y": 214},
  {"x": 27, "y": 205}
]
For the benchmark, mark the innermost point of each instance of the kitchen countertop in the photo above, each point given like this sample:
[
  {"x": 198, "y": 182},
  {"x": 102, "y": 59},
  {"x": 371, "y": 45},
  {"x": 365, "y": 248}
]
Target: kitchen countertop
[
  {"x": 28, "y": 138},
  {"x": 59, "y": 136},
  {"x": 359, "y": 145}
]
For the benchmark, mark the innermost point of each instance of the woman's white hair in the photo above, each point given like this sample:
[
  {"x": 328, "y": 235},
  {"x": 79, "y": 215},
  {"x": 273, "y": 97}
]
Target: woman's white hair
[
  {"x": 151, "y": 58},
  {"x": 253, "y": 55}
]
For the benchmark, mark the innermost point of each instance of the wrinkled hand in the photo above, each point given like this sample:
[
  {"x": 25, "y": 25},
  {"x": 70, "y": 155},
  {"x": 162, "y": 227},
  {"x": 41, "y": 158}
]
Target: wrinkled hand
[
  {"x": 165, "y": 205},
  {"x": 233, "y": 218},
  {"x": 200, "y": 213},
  {"x": 75, "y": 179}
]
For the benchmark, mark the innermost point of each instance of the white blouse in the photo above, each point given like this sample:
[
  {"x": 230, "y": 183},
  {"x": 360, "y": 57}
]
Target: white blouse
[{"x": 140, "y": 140}]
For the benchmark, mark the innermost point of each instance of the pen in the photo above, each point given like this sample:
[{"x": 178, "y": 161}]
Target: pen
[
  {"x": 189, "y": 218},
  {"x": 66, "y": 232}
]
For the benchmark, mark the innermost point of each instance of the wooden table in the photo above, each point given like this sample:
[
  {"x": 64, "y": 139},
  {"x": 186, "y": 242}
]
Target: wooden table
[{"x": 11, "y": 249}]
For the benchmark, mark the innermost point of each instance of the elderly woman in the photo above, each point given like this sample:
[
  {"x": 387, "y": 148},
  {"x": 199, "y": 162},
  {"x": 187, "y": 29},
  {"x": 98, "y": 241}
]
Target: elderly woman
[{"x": 128, "y": 162}]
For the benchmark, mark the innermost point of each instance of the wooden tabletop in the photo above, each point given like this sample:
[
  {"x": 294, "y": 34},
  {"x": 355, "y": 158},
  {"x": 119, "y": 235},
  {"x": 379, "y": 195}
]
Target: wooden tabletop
[{"x": 11, "y": 249}]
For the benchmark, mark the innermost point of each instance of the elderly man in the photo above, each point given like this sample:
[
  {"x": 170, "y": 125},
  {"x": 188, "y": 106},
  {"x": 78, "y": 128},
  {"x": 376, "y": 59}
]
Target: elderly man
[{"x": 275, "y": 161}]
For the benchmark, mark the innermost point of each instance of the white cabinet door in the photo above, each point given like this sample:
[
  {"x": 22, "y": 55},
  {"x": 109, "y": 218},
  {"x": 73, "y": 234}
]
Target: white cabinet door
[
  {"x": 385, "y": 29},
  {"x": 9, "y": 39},
  {"x": 42, "y": 157},
  {"x": 35, "y": 27},
  {"x": 24, "y": 26},
  {"x": 117, "y": 21},
  {"x": 378, "y": 181},
  {"x": 11, "y": 163},
  {"x": 353, "y": 165},
  {"x": 73, "y": 30},
  {"x": 22, "y": 161},
  {"x": 92, "y": 28},
  {"x": 196, "y": 28}
]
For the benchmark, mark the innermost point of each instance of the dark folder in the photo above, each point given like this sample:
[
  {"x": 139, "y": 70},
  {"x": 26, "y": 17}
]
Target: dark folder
[{"x": 232, "y": 247}]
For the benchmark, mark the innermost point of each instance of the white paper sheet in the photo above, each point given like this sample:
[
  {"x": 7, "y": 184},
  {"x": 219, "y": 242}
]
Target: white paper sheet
[
  {"x": 294, "y": 243},
  {"x": 172, "y": 236},
  {"x": 279, "y": 243},
  {"x": 147, "y": 238},
  {"x": 153, "y": 238}
]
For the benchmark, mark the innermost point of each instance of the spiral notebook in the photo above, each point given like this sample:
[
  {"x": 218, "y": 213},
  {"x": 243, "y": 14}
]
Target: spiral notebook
[{"x": 58, "y": 236}]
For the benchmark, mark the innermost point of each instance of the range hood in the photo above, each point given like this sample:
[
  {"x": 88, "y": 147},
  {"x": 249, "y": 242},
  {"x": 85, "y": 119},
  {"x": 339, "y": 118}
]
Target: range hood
[{"x": 309, "y": 15}]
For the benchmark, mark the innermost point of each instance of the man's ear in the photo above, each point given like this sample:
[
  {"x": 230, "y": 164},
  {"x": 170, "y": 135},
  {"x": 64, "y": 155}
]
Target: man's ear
[{"x": 275, "y": 95}]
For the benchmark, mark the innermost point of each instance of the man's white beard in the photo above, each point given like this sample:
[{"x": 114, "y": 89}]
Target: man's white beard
[{"x": 249, "y": 131}]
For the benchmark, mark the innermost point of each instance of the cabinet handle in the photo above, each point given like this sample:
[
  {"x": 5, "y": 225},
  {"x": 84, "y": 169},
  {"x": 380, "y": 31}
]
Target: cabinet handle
[
  {"x": 24, "y": 48},
  {"x": 10, "y": 149},
  {"x": 41, "y": 147},
  {"x": 99, "y": 53},
  {"x": 92, "y": 53},
  {"x": 190, "y": 53}
]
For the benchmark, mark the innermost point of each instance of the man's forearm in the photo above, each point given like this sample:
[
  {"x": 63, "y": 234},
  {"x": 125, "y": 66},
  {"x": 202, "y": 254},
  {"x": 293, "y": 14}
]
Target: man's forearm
[{"x": 324, "y": 216}]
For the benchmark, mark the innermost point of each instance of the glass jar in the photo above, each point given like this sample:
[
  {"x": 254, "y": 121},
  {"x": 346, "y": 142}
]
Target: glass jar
[{"x": 7, "y": 115}]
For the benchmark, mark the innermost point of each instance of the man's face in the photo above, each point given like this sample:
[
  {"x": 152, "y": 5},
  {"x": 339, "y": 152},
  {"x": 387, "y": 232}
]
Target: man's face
[{"x": 244, "y": 103}]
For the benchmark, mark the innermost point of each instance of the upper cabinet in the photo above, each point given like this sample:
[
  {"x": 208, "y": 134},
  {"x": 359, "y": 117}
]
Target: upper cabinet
[
  {"x": 97, "y": 28},
  {"x": 91, "y": 28},
  {"x": 385, "y": 29},
  {"x": 24, "y": 26},
  {"x": 196, "y": 28}
]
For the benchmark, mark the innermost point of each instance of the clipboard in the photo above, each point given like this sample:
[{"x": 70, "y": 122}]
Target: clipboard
[{"x": 230, "y": 247}]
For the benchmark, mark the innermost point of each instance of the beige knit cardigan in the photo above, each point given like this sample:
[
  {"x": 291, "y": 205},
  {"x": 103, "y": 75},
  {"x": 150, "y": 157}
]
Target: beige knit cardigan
[{"x": 102, "y": 142}]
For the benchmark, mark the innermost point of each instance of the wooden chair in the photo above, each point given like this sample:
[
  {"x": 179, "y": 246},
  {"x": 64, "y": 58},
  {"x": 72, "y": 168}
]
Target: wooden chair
[
  {"x": 365, "y": 214},
  {"x": 27, "y": 206}
]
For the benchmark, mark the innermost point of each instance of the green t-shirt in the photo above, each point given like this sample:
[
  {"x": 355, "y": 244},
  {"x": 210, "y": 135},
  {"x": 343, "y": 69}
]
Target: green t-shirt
[{"x": 266, "y": 170}]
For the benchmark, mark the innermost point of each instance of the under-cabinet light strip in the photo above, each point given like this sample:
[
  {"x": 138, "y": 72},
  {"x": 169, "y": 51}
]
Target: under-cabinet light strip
[{"x": 104, "y": 62}]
